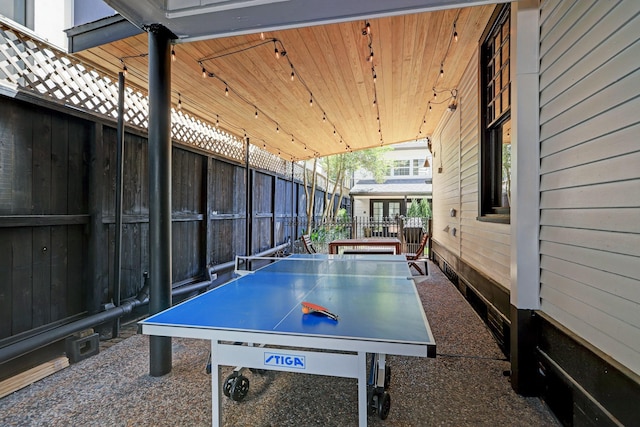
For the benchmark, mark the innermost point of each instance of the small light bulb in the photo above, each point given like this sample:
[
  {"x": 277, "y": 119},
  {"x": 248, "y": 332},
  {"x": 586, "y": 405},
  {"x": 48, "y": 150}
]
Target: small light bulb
[
  {"x": 173, "y": 55},
  {"x": 455, "y": 36},
  {"x": 293, "y": 76},
  {"x": 256, "y": 116},
  {"x": 226, "y": 91},
  {"x": 277, "y": 53},
  {"x": 370, "y": 57},
  {"x": 368, "y": 28},
  {"x": 261, "y": 36},
  {"x": 204, "y": 73},
  {"x": 311, "y": 102}
]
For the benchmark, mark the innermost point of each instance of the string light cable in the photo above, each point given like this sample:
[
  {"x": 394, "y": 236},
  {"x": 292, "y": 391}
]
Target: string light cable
[
  {"x": 281, "y": 52},
  {"x": 453, "y": 92},
  {"x": 366, "y": 31},
  {"x": 228, "y": 130},
  {"x": 453, "y": 96},
  {"x": 221, "y": 133}
]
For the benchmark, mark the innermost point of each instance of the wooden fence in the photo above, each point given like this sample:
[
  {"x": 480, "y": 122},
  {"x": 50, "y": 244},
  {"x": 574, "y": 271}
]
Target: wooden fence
[{"x": 57, "y": 215}]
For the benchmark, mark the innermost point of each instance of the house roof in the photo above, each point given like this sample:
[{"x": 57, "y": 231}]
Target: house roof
[{"x": 393, "y": 187}]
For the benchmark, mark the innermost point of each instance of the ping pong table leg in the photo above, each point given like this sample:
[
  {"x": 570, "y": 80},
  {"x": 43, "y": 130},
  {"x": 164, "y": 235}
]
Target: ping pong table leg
[
  {"x": 216, "y": 403},
  {"x": 362, "y": 389}
]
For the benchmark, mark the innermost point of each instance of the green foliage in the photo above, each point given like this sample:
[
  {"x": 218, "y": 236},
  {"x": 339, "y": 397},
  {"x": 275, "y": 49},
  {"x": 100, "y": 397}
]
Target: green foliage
[
  {"x": 342, "y": 215},
  {"x": 371, "y": 160},
  {"x": 506, "y": 170},
  {"x": 338, "y": 229},
  {"x": 419, "y": 209}
]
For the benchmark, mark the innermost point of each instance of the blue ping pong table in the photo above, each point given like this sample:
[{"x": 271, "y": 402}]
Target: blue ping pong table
[{"x": 379, "y": 311}]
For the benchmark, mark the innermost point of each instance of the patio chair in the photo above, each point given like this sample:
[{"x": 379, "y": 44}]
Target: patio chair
[
  {"x": 308, "y": 245},
  {"x": 414, "y": 258}
]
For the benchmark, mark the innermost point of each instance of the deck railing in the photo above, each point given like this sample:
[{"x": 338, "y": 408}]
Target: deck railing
[{"x": 408, "y": 230}]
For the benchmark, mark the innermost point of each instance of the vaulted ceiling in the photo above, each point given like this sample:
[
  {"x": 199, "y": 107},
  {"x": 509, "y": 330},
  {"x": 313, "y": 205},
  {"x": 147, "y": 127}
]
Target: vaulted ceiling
[{"x": 328, "y": 107}]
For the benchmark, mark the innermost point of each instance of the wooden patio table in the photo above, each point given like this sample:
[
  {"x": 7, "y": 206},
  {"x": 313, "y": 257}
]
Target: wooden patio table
[{"x": 368, "y": 242}]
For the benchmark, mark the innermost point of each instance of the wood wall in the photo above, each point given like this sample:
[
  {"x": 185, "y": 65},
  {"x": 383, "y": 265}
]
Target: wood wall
[
  {"x": 590, "y": 172},
  {"x": 43, "y": 217},
  {"x": 57, "y": 215}
]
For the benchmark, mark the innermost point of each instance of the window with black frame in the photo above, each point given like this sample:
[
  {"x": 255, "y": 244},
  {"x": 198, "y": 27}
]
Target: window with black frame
[{"x": 495, "y": 99}]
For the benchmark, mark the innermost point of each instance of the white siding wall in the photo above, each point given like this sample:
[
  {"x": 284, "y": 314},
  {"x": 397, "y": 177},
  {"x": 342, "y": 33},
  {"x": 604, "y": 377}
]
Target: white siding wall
[
  {"x": 483, "y": 245},
  {"x": 446, "y": 184},
  {"x": 590, "y": 172},
  {"x": 361, "y": 206}
]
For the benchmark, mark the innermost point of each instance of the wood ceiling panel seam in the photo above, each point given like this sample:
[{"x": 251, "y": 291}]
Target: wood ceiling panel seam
[
  {"x": 332, "y": 105},
  {"x": 385, "y": 74},
  {"x": 350, "y": 116},
  {"x": 432, "y": 68},
  {"x": 361, "y": 72},
  {"x": 408, "y": 71}
]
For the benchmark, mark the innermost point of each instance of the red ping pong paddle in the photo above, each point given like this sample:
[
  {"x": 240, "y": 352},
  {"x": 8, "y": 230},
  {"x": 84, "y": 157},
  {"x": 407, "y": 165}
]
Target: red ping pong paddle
[{"x": 309, "y": 307}]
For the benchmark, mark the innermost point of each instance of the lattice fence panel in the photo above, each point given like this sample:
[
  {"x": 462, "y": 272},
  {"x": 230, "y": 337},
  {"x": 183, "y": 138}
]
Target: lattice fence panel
[
  {"x": 29, "y": 64},
  {"x": 32, "y": 65}
]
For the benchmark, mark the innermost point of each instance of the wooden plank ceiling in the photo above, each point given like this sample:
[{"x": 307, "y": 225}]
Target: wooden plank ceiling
[{"x": 331, "y": 67}]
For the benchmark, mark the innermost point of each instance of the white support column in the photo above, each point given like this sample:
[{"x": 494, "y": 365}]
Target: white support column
[
  {"x": 525, "y": 152},
  {"x": 216, "y": 403},
  {"x": 525, "y": 203},
  {"x": 362, "y": 389}
]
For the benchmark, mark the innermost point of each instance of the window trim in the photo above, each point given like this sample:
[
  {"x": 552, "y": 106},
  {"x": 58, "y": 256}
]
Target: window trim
[
  {"x": 490, "y": 133},
  {"x": 395, "y": 168}
]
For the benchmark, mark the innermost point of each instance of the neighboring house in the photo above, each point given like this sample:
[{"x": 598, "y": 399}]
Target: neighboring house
[
  {"x": 49, "y": 18},
  {"x": 408, "y": 179}
]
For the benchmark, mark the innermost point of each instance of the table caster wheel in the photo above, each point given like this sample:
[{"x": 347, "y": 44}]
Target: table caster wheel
[
  {"x": 228, "y": 383},
  {"x": 239, "y": 388},
  {"x": 387, "y": 376},
  {"x": 372, "y": 401},
  {"x": 384, "y": 405}
]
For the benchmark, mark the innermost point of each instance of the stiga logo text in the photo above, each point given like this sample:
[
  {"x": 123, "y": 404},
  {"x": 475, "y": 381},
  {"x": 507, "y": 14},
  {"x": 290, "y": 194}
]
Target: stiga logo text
[{"x": 286, "y": 360}]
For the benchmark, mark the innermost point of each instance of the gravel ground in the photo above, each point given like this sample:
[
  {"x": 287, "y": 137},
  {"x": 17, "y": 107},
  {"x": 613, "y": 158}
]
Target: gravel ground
[{"x": 463, "y": 386}]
